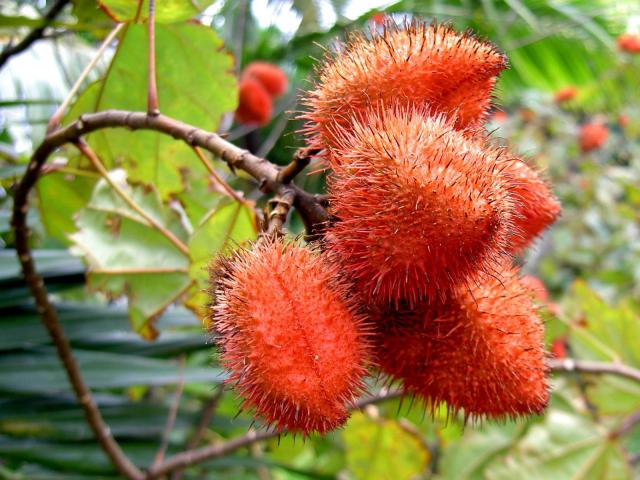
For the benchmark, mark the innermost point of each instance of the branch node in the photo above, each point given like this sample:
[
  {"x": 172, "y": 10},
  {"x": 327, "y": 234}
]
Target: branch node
[
  {"x": 299, "y": 162},
  {"x": 281, "y": 204}
]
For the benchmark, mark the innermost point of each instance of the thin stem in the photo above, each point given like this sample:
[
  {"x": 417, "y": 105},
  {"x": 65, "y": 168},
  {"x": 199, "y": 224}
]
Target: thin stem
[
  {"x": 206, "y": 415},
  {"x": 313, "y": 214},
  {"x": 171, "y": 417},
  {"x": 627, "y": 424},
  {"x": 255, "y": 449},
  {"x": 586, "y": 366},
  {"x": 191, "y": 457},
  {"x": 212, "y": 171},
  {"x": 300, "y": 160},
  {"x": 35, "y": 34},
  {"x": 152, "y": 87},
  {"x": 50, "y": 320},
  {"x": 98, "y": 165},
  {"x": 281, "y": 205},
  {"x": 55, "y": 120}
]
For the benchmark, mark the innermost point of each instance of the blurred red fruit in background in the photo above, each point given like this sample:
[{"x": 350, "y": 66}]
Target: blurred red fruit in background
[
  {"x": 255, "y": 104},
  {"x": 565, "y": 94},
  {"x": 593, "y": 136},
  {"x": 272, "y": 78},
  {"x": 629, "y": 42}
]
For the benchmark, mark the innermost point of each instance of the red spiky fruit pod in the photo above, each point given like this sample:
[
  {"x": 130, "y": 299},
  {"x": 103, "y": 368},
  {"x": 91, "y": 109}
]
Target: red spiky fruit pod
[
  {"x": 480, "y": 352},
  {"x": 430, "y": 66},
  {"x": 592, "y": 136},
  {"x": 418, "y": 205},
  {"x": 272, "y": 78},
  {"x": 294, "y": 346},
  {"x": 254, "y": 104},
  {"x": 565, "y": 94},
  {"x": 536, "y": 287},
  {"x": 536, "y": 209}
]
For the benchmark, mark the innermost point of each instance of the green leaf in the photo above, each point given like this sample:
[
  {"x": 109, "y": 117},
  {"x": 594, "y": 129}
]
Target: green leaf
[
  {"x": 564, "y": 446},
  {"x": 221, "y": 230},
  {"x": 126, "y": 255},
  {"x": 468, "y": 457},
  {"x": 167, "y": 11},
  {"x": 195, "y": 84},
  {"x": 61, "y": 196},
  {"x": 610, "y": 334},
  {"x": 100, "y": 327},
  {"x": 45, "y": 374},
  {"x": 607, "y": 333},
  {"x": 382, "y": 449},
  {"x": 78, "y": 457}
]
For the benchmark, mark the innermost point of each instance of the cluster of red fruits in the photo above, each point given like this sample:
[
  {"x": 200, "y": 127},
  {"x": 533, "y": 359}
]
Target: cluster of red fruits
[
  {"x": 260, "y": 84},
  {"x": 414, "y": 276}
]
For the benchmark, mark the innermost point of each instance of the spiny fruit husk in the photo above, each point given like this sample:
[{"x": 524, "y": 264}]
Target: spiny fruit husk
[
  {"x": 254, "y": 104},
  {"x": 537, "y": 208},
  {"x": 295, "y": 348},
  {"x": 418, "y": 206},
  {"x": 431, "y": 66},
  {"x": 536, "y": 287},
  {"x": 481, "y": 352},
  {"x": 272, "y": 78}
]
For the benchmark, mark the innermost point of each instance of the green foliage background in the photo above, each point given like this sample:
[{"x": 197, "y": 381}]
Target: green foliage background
[{"x": 137, "y": 332}]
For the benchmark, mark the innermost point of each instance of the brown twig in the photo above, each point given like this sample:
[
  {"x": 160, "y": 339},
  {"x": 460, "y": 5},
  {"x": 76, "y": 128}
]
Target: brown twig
[
  {"x": 171, "y": 417},
  {"x": 586, "y": 366},
  {"x": 56, "y": 118},
  {"x": 99, "y": 166},
  {"x": 50, "y": 319},
  {"x": 270, "y": 180},
  {"x": 152, "y": 87},
  {"x": 281, "y": 205},
  {"x": 310, "y": 208},
  {"x": 300, "y": 160},
  {"x": 35, "y": 34},
  {"x": 206, "y": 415},
  {"x": 192, "y": 457},
  {"x": 263, "y": 171},
  {"x": 627, "y": 424},
  {"x": 256, "y": 451},
  {"x": 212, "y": 171}
]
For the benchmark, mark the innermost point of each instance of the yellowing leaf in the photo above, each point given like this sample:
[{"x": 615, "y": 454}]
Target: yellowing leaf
[{"x": 380, "y": 449}]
